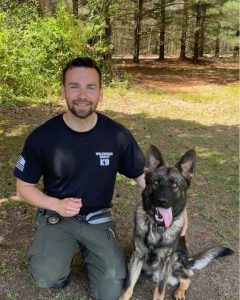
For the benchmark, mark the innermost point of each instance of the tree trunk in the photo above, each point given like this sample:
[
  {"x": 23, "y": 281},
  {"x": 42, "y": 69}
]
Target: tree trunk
[
  {"x": 236, "y": 48},
  {"x": 149, "y": 41},
  {"x": 196, "y": 37},
  {"x": 217, "y": 42},
  {"x": 75, "y": 8},
  {"x": 47, "y": 7},
  {"x": 108, "y": 28},
  {"x": 184, "y": 30},
  {"x": 162, "y": 30},
  {"x": 202, "y": 29},
  {"x": 108, "y": 33},
  {"x": 137, "y": 31}
]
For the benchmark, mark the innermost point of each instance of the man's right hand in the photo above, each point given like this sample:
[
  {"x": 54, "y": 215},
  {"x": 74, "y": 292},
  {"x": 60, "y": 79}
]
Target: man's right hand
[{"x": 69, "y": 207}]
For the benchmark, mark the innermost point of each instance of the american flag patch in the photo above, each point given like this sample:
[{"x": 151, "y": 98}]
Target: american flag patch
[{"x": 20, "y": 163}]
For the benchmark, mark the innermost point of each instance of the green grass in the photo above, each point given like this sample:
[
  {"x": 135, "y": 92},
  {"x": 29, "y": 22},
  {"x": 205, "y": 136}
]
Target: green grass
[
  {"x": 12, "y": 295},
  {"x": 211, "y": 94},
  {"x": 23, "y": 102}
]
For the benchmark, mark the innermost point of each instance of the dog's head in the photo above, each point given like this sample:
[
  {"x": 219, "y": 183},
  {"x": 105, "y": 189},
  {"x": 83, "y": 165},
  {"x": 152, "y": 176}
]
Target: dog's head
[{"x": 164, "y": 197}]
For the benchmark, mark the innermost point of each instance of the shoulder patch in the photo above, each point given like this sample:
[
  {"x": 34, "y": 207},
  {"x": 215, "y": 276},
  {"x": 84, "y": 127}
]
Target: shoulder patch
[{"x": 20, "y": 163}]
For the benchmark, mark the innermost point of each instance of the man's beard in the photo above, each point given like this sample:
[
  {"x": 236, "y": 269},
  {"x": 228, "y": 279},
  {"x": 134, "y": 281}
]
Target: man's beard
[{"x": 81, "y": 113}]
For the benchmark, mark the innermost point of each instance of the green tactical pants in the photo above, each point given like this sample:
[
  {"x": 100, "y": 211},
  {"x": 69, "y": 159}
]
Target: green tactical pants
[{"x": 54, "y": 246}]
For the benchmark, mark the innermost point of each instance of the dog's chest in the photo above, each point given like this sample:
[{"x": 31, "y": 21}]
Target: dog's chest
[
  {"x": 158, "y": 237},
  {"x": 154, "y": 236}
]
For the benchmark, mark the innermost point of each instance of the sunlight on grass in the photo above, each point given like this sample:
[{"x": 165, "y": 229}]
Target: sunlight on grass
[
  {"x": 17, "y": 131},
  {"x": 27, "y": 101},
  {"x": 210, "y": 93},
  {"x": 208, "y": 104}
]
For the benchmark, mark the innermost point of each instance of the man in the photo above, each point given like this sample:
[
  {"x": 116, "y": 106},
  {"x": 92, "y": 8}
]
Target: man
[{"x": 78, "y": 154}]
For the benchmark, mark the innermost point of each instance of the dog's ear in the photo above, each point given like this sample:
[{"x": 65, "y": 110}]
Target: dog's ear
[
  {"x": 186, "y": 165},
  {"x": 154, "y": 159}
]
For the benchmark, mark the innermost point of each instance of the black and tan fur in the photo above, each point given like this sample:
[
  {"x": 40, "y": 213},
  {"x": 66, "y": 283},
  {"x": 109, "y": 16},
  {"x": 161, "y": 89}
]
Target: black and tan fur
[{"x": 159, "y": 250}]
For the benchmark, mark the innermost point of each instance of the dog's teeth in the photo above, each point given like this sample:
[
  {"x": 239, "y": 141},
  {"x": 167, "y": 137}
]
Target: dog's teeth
[{"x": 158, "y": 219}]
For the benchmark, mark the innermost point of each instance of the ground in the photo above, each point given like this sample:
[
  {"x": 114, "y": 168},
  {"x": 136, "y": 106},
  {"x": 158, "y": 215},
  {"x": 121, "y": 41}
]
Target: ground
[{"x": 175, "y": 123}]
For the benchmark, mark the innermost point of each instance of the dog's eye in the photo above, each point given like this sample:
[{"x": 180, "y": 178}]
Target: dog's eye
[
  {"x": 174, "y": 185},
  {"x": 156, "y": 181}
]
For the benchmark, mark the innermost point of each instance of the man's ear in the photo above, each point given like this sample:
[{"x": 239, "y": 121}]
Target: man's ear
[
  {"x": 154, "y": 159},
  {"x": 101, "y": 95},
  {"x": 63, "y": 92},
  {"x": 186, "y": 165}
]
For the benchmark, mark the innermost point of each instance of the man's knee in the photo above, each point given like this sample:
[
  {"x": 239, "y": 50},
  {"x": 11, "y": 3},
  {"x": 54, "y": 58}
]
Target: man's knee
[
  {"x": 106, "y": 277},
  {"x": 44, "y": 281},
  {"x": 47, "y": 276},
  {"x": 108, "y": 290}
]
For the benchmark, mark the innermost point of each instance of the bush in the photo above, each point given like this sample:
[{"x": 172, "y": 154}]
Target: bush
[{"x": 33, "y": 50}]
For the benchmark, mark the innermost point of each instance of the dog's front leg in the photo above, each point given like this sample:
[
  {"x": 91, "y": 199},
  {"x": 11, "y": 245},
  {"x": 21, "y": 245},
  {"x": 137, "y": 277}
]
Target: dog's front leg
[
  {"x": 160, "y": 290},
  {"x": 181, "y": 291},
  {"x": 135, "y": 267}
]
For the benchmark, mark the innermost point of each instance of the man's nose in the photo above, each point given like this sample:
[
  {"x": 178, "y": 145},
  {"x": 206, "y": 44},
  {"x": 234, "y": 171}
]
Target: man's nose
[{"x": 82, "y": 93}]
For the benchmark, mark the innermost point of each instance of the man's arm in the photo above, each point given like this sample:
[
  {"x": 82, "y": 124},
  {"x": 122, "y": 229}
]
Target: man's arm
[
  {"x": 141, "y": 181},
  {"x": 67, "y": 207},
  {"x": 185, "y": 222}
]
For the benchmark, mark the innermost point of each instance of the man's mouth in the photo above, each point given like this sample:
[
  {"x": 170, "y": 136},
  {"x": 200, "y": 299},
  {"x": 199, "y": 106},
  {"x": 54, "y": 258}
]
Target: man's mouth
[
  {"x": 82, "y": 103},
  {"x": 164, "y": 215}
]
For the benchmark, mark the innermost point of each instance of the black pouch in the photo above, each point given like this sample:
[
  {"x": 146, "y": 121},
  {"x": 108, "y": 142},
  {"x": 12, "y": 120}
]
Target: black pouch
[{"x": 40, "y": 219}]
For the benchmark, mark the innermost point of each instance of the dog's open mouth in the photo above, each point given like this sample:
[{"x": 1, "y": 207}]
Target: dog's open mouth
[{"x": 164, "y": 215}]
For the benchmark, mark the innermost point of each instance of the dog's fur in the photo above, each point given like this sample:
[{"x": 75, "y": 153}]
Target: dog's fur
[{"x": 159, "y": 248}]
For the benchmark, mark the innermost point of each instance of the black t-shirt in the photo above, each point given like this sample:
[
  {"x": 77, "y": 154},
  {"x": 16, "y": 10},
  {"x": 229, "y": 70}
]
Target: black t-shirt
[{"x": 80, "y": 164}]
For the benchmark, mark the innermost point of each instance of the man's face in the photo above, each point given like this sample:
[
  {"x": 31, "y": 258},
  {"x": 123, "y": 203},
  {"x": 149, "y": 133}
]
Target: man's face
[{"x": 82, "y": 91}]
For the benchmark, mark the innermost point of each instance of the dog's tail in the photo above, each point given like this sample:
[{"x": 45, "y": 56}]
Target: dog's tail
[{"x": 204, "y": 258}]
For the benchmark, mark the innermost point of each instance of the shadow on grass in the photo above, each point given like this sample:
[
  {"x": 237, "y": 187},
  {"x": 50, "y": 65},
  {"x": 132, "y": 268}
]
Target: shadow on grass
[
  {"x": 216, "y": 145},
  {"x": 185, "y": 73}
]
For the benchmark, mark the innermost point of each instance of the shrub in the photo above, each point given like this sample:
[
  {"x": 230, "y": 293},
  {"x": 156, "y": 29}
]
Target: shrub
[{"x": 33, "y": 50}]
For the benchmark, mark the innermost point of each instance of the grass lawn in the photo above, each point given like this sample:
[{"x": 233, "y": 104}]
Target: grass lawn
[{"x": 176, "y": 106}]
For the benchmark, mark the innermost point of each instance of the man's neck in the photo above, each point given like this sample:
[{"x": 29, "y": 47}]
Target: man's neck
[{"x": 78, "y": 124}]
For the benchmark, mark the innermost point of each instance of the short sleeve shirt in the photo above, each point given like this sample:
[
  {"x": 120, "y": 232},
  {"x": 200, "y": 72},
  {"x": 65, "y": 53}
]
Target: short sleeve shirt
[{"x": 80, "y": 164}]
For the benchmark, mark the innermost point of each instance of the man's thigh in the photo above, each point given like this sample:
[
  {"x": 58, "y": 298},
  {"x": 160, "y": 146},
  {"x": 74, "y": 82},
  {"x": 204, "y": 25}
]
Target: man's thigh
[
  {"x": 51, "y": 253},
  {"x": 105, "y": 261}
]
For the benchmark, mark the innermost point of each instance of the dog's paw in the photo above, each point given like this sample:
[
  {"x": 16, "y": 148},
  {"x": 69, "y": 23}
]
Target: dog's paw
[
  {"x": 127, "y": 294},
  {"x": 157, "y": 296},
  {"x": 179, "y": 294},
  {"x": 124, "y": 297}
]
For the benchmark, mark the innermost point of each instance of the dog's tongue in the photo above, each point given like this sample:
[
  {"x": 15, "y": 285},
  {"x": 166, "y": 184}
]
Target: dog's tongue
[{"x": 167, "y": 215}]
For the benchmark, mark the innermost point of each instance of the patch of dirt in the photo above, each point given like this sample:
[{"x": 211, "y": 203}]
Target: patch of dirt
[{"x": 178, "y": 75}]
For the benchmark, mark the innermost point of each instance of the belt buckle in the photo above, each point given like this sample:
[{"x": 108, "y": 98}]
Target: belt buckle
[{"x": 52, "y": 220}]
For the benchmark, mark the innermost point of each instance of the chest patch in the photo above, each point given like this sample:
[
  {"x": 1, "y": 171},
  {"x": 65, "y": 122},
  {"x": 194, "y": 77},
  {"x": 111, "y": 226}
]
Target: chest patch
[{"x": 104, "y": 158}]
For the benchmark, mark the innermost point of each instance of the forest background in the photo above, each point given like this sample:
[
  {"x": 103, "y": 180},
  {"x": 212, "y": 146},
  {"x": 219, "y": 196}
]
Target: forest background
[{"x": 38, "y": 37}]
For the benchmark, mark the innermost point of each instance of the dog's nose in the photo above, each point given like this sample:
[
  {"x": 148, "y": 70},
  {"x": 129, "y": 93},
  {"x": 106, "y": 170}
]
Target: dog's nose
[{"x": 162, "y": 201}]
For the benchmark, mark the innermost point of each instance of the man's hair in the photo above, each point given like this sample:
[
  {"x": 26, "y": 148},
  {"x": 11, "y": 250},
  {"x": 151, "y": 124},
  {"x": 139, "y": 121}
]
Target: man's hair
[{"x": 82, "y": 62}]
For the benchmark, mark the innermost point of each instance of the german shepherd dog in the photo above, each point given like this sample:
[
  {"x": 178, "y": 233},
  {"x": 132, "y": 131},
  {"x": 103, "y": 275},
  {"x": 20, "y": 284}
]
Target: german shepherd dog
[{"x": 159, "y": 248}]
